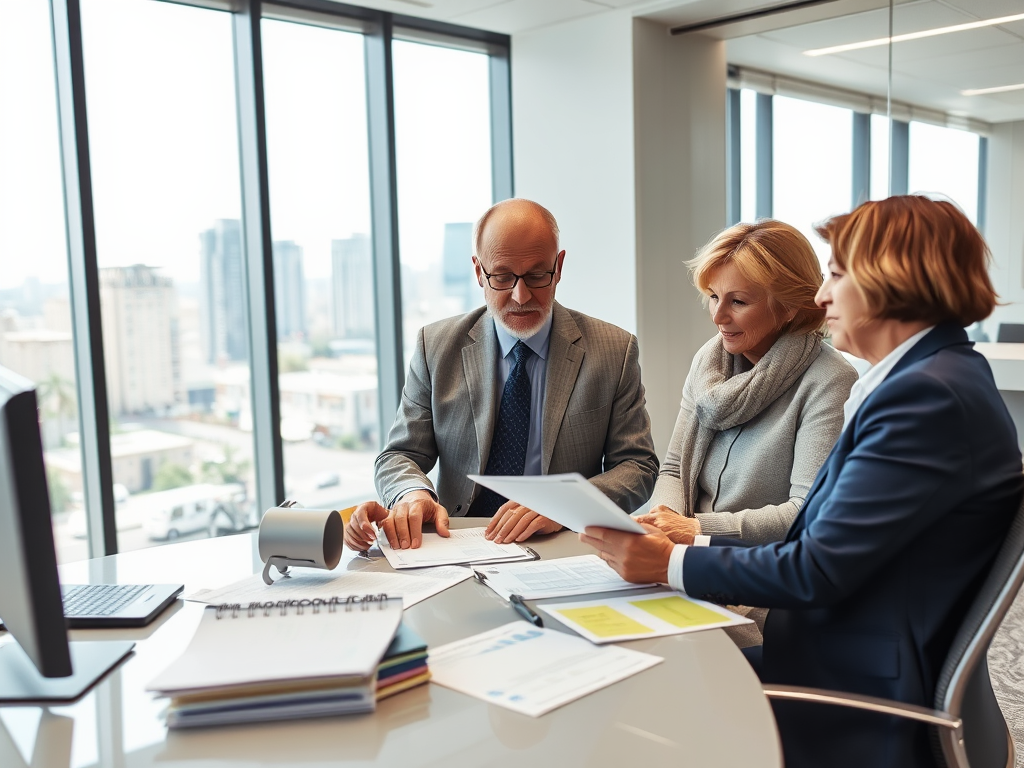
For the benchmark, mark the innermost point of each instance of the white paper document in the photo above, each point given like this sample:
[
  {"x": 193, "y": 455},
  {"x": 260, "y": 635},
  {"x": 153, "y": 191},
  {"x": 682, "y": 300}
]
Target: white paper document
[
  {"x": 564, "y": 577},
  {"x": 307, "y": 583},
  {"x": 568, "y": 499},
  {"x": 636, "y": 617},
  {"x": 532, "y": 670},
  {"x": 465, "y": 545}
]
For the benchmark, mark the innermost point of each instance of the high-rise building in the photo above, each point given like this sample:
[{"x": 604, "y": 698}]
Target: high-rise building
[
  {"x": 222, "y": 293},
  {"x": 140, "y": 340},
  {"x": 289, "y": 290},
  {"x": 352, "y": 277},
  {"x": 458, "y": 267}
]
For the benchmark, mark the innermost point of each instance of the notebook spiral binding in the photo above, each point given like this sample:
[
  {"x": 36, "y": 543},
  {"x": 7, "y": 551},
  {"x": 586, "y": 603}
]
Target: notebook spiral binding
[{"x": 331, "y": 605}]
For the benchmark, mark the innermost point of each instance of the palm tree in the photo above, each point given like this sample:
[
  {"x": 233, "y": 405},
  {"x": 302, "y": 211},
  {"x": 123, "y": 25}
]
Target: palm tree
[{"x": 58, "y": 401}]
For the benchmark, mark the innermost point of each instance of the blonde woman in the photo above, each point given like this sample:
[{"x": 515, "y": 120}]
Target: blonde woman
[{"x": 763, "y": 403}]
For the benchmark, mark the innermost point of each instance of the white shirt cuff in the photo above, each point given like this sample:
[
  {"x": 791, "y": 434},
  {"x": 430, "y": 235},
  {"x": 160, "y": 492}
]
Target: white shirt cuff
[
  {"x": 675, "y": 568},
  {"x": 702, "y": 540}
]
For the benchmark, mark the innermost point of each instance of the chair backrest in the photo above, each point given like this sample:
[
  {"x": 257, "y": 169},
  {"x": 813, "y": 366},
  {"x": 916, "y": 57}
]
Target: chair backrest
[{"x": 957, "y": 684}]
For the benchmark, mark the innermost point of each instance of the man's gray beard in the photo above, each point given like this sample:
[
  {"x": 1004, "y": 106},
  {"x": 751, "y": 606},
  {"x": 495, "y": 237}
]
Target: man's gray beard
[{"x": 522, "y": 335}]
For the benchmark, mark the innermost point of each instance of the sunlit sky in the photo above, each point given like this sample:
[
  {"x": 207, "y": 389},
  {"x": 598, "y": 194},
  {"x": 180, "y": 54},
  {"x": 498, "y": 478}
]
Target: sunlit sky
[
  {"x": 163, "y": 138},
  {"x": 812, "y": 171}
]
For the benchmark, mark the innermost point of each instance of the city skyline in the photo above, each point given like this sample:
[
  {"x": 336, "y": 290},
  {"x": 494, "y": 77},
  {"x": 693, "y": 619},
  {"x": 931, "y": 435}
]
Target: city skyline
[{"x": 148, "y": 161}]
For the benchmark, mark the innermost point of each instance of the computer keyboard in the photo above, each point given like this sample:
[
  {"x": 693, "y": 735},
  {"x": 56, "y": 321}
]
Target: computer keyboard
[{"x": 99, "y": 599}]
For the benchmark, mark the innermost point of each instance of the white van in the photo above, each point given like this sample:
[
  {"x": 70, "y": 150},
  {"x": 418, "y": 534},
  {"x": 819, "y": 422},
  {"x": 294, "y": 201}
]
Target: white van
[{"x": 181, "y": 511}]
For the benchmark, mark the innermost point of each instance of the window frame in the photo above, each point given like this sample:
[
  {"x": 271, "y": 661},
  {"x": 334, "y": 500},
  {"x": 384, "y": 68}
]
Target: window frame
[{"x": 379, "y": 28}]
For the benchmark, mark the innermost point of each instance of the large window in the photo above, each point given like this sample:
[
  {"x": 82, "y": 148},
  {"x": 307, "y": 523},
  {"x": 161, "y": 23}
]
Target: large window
[
  {"x": 242, "y": 169},
  {"x": 748, "y": 153},
  {"x": 443, "y": 138},
  {"x": 879, "y": 165},
  {"x": 813, "y": 153},
  {"x": 315, "y": 89},
  {"x": 36, "y": 334},
  {"x": 812, "y": 172},
  {"x": 944, "y": 162},
  {"x": 165, "y": 185}
]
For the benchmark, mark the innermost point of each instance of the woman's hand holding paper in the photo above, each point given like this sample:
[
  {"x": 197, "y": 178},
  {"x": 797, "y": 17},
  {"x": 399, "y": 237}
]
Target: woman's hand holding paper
[
  {"x": 639, "y": 559},
  {"x": 679, "y": 529}
]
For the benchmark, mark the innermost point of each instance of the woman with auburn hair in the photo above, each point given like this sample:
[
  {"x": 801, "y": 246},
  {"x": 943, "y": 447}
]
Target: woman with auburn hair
[
  {"x": 763, "y": 402},
  {"x": 907, "y": 514}
]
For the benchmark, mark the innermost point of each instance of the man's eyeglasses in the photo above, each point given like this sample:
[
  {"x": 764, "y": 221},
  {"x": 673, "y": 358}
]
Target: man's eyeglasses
[{"x": 506, "y": 281}]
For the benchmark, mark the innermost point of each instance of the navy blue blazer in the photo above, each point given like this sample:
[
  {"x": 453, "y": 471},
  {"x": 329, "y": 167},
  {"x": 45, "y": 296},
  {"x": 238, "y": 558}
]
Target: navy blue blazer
[{"x": 876, "y": 573}]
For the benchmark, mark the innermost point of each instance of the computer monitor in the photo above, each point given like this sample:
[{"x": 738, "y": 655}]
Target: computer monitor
[{"x": 39, "y": 664}]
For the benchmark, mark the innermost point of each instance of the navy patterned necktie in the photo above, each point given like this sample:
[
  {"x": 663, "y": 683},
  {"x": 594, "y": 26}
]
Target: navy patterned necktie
[{"x": 511, "y": 432}]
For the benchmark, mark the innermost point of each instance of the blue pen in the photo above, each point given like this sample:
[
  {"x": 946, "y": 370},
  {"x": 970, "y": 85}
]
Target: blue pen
[{"x": 524, "y": 610}]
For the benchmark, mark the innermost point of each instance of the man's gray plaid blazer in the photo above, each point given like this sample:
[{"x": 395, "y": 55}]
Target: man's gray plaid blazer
[{"x": 595, "y": 417}]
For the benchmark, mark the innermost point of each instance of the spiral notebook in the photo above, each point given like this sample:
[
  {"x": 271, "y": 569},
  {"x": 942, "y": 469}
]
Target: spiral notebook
[{"x": 280, "y": 660}]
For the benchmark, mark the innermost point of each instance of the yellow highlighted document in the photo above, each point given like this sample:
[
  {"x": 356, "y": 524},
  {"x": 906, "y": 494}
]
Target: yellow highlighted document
[
  {"x": 604, "y": 621},
  {"x": 654, "y": 614},
  {"x": 678, "y": 611}
]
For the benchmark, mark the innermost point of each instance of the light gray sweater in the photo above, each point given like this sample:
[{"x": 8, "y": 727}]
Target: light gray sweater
[{"x": 756, "y": 475}]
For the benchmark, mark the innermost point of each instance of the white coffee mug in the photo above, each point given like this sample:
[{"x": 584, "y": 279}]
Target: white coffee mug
[{"x": 291, "y": 536}]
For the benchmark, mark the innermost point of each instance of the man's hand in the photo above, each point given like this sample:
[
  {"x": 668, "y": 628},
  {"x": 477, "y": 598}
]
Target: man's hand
[
  {"x": 514, "y": 522},
  {"x": 403, "y": 524},
  {"x": 678, "y": 528},
  {"x": 360, "y": 534},
  {"x": 636, "y": 558}
]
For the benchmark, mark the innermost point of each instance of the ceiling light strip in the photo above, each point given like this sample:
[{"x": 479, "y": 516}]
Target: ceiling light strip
[
  {"x": 914, "y": 35},
  {"x": 996, "y": 89}
]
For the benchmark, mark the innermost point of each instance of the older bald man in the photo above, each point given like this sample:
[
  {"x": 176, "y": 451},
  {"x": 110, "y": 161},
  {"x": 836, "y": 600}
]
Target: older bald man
[{"x": 520, "y": 386}]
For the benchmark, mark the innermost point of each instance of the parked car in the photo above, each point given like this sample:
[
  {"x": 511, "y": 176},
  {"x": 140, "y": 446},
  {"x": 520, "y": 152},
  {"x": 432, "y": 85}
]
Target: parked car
[
  {"x": 181, "y": 511},
  {"x": 327, "y": 479}
]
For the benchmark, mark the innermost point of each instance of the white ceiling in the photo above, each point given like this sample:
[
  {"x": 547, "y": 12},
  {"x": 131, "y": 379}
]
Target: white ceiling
[
  {"x": 928, "y": 73},
  {"x": 505, "y": 16}
]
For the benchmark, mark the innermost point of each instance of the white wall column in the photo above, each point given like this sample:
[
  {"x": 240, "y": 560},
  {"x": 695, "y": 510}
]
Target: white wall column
[
  {"x": 619, "y": 129},
  {"x": 679, "y": 102},
  {"x": 572, "y": 135}
]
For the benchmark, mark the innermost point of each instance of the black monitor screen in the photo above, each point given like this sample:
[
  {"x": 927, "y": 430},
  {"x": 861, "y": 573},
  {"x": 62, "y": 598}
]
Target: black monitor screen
[{"x": 30, "y": 597}]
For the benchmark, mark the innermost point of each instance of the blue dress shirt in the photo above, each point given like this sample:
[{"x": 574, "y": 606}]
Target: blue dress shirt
[{"x": 536, "y": 367}]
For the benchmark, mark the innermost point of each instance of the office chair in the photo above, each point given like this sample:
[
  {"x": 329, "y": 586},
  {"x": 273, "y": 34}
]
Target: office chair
[
  {"x": 969, "y": 730},
  {"x": 1012, "y": 333}
]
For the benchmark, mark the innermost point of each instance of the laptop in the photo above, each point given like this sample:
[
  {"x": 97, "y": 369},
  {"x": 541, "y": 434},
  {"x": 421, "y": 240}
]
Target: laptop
[
  {"x": 94, "y": 606},
  {"x": 107, "y": 606}
]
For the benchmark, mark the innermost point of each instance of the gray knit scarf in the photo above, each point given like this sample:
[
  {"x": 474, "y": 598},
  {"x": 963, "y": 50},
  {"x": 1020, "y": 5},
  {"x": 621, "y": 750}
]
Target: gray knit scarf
[{"x": 727, "y": 396}]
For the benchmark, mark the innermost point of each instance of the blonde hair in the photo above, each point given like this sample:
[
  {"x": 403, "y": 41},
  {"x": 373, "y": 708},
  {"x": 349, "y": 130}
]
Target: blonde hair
[
  {"x": 775, "y": 256},
  {"x": 914, "y": 259}
]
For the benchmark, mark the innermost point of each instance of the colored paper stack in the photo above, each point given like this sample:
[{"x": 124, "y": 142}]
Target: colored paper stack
[{"x": 404, "y": 665}]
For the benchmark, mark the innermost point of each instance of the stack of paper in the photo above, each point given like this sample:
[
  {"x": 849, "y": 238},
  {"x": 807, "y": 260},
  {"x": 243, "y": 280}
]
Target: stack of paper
[
  {"x": 564, "y": 577},
  {"x": 404, "y": 666},
  {"x": 465, "y": 545},
  {"x": 279, "y": 660}
]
